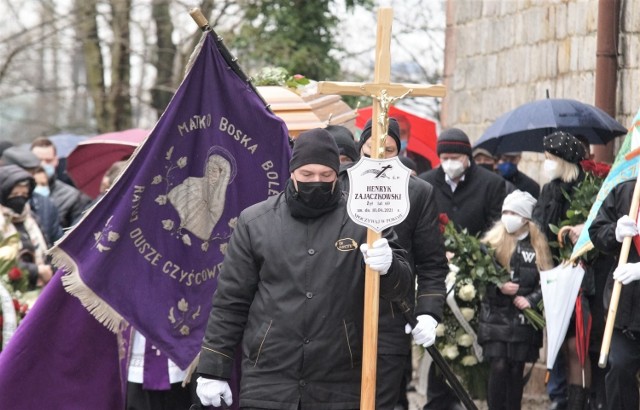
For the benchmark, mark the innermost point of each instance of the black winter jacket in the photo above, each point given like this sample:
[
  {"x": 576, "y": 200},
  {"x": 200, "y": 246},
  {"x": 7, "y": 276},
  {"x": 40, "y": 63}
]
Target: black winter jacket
[
  {"x": 552, "y": 206},
  {"x": 69, "y": 201},
  {"x": 47, "y": 216},
  {"x": 420, "y": 236},
  {"x": 602, "y": 233},
  {"x": 291, "y": 294},
  {"x": 525, "y": 183},
  {"x": 499, "y": 319},
  {"x": 476, "y": 203}
]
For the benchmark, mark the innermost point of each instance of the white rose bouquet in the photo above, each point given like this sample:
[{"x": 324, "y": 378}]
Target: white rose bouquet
[{"x": 471, "y": 269}]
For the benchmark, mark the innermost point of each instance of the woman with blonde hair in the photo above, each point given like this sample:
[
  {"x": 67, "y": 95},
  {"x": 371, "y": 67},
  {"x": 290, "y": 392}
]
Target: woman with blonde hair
[
  {"x": 563, "y": 153},
  {"x": 508, "y": 340}
]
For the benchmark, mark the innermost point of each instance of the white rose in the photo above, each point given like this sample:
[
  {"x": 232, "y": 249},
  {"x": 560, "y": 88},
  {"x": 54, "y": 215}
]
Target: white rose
[
  {"x": 8, "y": 252},
  {"x": 467, "y": 292},
  {"x": 465, "y": 340},
  {"x": 450, "y": 352},
  {"x": 467, "y": 313},
  {"x": 440, "y": 330},
  {"x": 469, "y": 360},
  {"x": 453, "y": 268}
]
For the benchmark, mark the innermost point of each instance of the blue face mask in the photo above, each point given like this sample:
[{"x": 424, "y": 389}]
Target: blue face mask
[
  {"x": 42, "y": 190},
  {"x": 507, "y": 169},
  {"x": 49, "y": 170}
]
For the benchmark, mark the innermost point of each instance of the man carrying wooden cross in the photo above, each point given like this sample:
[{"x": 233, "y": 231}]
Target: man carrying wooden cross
[
  {"x": 419, "y": 234},
  {"x": 290, "y": 293},
  {"x": 430, "y": 296}
]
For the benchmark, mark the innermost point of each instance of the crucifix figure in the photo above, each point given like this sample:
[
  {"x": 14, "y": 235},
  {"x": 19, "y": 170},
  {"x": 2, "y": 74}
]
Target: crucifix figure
[{"x": 384, "y": 93}]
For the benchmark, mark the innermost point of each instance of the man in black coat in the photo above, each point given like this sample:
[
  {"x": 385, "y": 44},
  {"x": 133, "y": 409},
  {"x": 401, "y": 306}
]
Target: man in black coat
[
  {"x": 69, "y": 200},
  {"x": 507, "y": 167},
  {"x": 420, "y": 236},
  {"x": 472, "y": 197},
  {"x": 291, "y": 293},
  {"x": 607, "y": 232}
]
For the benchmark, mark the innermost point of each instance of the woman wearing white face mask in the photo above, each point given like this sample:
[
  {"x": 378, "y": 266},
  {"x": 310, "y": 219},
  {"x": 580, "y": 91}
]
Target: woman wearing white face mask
[
  {"x": 509, "y": 341},
  {"x": 563, "y": 154},
  {"x": 562, "y": 166}
]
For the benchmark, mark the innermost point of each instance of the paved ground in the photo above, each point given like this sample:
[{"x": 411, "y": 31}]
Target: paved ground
[
  {"x": 416, "y": 401},
  {"x": 533, "y": 398}
]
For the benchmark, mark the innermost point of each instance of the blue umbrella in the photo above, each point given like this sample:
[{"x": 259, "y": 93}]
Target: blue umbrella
[{"x": 524, "y": 128}]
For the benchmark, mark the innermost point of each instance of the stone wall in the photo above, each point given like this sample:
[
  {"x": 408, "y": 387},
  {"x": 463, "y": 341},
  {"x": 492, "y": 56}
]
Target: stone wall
[{"x": 503, "y": 53}]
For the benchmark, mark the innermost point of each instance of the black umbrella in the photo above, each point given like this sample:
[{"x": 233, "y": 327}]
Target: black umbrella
[{"x": 524, "y": 128}]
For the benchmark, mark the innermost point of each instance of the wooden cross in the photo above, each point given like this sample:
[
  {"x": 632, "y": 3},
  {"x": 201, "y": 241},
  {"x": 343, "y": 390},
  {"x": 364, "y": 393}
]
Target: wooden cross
[{"x": 384, "y": 93}]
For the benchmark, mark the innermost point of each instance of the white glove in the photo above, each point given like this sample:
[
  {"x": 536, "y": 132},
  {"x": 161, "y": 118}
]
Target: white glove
[
  {"x": 379, "y": 257},
  {"x": 425, "y": 331},
  {"x": 625, "y": 227},
  {"x": 210, "y": 391},
  {"x": 627, "y": 273}
]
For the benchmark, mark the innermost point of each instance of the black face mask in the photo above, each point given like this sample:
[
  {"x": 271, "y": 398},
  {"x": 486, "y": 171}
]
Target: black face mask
[
  {"x": 312, "y": 199},
  {"x": 16, "y": 204},
  {"x": 315, "y": 194}
]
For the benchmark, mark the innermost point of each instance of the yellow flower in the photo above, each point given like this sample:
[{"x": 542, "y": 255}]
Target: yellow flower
[
  {"x": 440, "y": 330},
  {"x": 8, "y": 252},
  {"x": 467, "y": 313},
  {"x": 469, "y": 361},
  {"x": 465, "y": 340},
  {"x": 450, "y": 352},
  {"x": 467, "y": 292}
]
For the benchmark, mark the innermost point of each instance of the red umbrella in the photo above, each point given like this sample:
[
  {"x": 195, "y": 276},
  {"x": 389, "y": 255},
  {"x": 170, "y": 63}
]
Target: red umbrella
[
  {"x": 89, "y": 161},
  {"x": 422, "y": 137},
  {"x": 583, "y": 330}
]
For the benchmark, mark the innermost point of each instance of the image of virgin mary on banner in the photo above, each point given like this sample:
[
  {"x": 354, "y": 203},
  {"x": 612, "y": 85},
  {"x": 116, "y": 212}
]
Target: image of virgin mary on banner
[{"x": 149, "y": 253}]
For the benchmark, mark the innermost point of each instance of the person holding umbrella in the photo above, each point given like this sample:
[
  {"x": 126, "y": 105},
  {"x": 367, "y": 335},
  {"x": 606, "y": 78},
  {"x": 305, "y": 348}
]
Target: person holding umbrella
[
  {"x": 508, "y": 341},
  {"x": 563, "y": 153}
]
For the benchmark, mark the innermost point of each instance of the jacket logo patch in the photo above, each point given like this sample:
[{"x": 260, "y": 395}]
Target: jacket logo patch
[
  {"x": 528, "y": 256},
  {"x": 346, "y": 245}
]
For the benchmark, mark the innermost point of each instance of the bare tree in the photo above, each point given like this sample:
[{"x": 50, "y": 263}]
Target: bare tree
[{"x": 87, "y": 32}]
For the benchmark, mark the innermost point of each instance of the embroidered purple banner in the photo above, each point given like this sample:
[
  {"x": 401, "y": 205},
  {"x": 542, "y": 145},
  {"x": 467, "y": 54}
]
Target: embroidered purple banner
[{"x": 150, "y": 251}]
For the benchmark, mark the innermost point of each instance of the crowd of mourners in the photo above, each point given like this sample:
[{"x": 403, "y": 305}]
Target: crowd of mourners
[{"x": 295, "y": 307}]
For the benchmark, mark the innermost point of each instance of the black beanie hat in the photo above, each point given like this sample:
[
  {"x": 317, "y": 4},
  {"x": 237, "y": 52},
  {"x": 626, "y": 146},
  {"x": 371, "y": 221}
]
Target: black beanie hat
[
  {"x": 315, "y": 146},
  {"x": 454, "y": 141},
  {"x": 10, "y": 176},
  {"x": 565, "y": 146},
  {"x": 393, "y": 132},
  {"x": 345, "y": 141}
]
